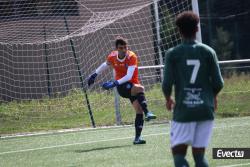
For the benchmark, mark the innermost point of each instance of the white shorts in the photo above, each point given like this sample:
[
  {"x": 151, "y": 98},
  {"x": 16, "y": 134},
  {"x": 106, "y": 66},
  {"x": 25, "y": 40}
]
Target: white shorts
[{"x": 196, "y": 134}]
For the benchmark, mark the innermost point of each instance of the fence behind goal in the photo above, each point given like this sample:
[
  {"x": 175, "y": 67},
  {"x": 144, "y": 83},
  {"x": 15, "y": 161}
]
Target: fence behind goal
[{"x": 49, "y": 48}]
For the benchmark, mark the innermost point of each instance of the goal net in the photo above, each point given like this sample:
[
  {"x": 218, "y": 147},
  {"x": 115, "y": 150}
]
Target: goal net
[{"x": 49, "y": 48}]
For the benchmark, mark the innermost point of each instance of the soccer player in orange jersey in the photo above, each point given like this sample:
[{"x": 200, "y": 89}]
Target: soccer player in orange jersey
[{"x": 125, "y": 64}]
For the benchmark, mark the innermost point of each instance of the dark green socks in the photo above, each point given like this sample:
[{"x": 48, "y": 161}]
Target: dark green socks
[
  {"x": 200, "y": 160},
  {"x": 180, "y": 161}
]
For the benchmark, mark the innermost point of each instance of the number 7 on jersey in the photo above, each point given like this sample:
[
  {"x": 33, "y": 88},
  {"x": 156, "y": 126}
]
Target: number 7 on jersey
[{"x": 196, "y": 64}]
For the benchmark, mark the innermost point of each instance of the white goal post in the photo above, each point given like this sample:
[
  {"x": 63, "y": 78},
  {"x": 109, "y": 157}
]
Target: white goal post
[{"x": 195, "y": 8}]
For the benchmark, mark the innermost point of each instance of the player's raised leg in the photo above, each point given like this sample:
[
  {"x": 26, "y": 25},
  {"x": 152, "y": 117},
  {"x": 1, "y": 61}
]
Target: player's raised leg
[{"x": 138, "y": 91}]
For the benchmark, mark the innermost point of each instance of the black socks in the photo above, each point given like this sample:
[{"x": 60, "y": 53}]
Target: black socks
[
  {"x": 138, "y": 125},
  {"x": 142, "y": 101}
]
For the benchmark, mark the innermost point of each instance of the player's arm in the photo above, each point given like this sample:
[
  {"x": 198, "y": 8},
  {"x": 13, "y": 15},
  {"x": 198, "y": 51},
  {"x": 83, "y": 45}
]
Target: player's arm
[
  {"x": 215, "y": 76},
  {"x": 128, "y": 76},
  {"x": 130, "y": 72},
  {"x": 102, "y": 68},
  {"x": 99, "y": 70},
  {"x": 168, "y": 81}
]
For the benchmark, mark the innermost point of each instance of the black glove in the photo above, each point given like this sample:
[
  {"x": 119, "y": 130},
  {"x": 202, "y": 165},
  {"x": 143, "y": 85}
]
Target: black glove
[{"x": 91, "y": 79}]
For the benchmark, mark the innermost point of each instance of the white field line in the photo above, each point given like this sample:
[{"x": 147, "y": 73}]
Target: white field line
[
  {"x": 243, "y": 164},
  {"x": 99, "y": 141},
  {"x": 81, "y": 143},
  {"x": 87, "y": 130},
  {"x": 102, "y": 128}
]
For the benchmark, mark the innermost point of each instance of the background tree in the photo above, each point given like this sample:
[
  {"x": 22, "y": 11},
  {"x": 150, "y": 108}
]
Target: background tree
[{"x": 223, "y": 44}]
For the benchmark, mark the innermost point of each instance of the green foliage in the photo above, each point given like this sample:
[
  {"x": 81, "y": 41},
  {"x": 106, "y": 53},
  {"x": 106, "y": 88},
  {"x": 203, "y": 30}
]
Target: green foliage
[
  {"x": 167, "y": 28},
  {"x": 71, "y": 111},
  {"x": 223, "y": 44}
]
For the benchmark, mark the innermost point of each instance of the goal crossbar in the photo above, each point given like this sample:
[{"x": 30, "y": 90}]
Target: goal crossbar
[{"x": 220, "y": 62}]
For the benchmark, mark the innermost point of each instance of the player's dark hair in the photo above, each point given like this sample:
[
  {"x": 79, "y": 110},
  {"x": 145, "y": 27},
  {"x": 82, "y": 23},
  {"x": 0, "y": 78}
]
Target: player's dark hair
[
  {"x": 120, "y": 41},
  {"x": 187, "y": 22}
]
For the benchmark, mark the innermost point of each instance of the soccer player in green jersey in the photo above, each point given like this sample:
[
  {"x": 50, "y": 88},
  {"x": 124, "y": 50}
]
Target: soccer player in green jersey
[{"x": 192, "y": 68}]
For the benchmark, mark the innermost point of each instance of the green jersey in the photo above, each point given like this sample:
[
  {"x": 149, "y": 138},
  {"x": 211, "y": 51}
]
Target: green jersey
[{"x": 192, "y": 68}]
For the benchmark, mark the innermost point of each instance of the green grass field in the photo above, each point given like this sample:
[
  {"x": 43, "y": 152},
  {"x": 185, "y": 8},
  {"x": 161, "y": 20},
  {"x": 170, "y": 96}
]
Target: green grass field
[
  {"x": 71, "y": 111},
  {"x": 113, "y": 147}
]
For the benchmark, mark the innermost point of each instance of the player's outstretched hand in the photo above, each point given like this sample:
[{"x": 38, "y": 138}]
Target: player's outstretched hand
[
  {"x": 110, "y": 84},
  {"x": 170, "y": 103},
  {"x": 91, "y": 79}
]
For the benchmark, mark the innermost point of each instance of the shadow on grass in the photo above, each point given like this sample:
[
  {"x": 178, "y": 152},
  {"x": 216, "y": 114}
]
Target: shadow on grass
[{"x": 102, "y": 148}]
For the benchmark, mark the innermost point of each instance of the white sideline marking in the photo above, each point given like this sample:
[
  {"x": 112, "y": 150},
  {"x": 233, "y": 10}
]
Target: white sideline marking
[
  {"x": 102, "y": 128},
  {"x": 64, "y": 131},
  {"x": 72, "y": 144},
  {"x": 106, "y": 140},
  {"x": 235, "y": 165}
]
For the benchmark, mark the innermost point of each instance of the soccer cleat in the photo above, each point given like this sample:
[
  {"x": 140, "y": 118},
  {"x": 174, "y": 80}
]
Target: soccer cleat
[
  {"x": 150, "y": 116},
  {"x": 139, "y": 140}
]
